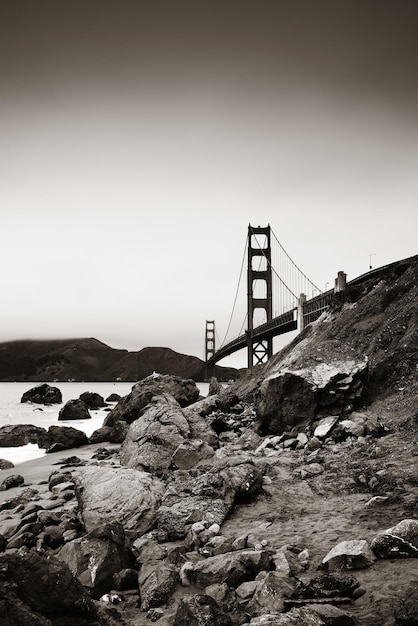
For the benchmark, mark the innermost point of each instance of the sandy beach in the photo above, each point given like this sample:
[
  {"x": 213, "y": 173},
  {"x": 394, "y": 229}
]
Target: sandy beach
[{"x": 36, "y": 471}]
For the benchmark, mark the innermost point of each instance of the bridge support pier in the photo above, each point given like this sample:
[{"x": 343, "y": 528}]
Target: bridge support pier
[{"x": 301, "y": 320}]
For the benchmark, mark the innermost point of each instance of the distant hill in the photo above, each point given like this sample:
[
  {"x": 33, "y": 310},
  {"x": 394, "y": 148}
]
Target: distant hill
[{"x": 93, "y": 360}]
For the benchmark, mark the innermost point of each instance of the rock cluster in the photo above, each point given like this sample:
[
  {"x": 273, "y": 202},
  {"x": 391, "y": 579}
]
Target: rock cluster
[{"x": 142, "y": 531}]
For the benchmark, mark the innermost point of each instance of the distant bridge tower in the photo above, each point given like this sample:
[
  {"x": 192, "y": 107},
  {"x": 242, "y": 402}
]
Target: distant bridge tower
[
  {"x": 259, "y": 281},
  {"x": 209, "y": 339},
  {"x": 209, "y": 347}
]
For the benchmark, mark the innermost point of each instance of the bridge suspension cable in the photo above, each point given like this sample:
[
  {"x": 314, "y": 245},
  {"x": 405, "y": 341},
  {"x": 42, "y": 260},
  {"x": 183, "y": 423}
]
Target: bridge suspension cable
[
  {"x": 236, "y": 296},
  {"x": 290, "y": 280}
]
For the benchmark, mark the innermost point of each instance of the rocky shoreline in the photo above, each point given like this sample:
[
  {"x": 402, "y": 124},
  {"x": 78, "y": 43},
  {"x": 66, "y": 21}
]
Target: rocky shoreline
[
  {"x": 289, "y": 498},
  {"x": 157, "y": 528}
]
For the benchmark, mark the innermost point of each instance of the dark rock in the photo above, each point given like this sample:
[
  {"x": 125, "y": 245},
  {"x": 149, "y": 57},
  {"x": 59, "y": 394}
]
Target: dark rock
[
  {"x": 201, "y": 609},
  {"x": 53, "y": 536},
  {"x": 101, "y": 435},
  {"x": 20, "y": 500},
  {"x": 95, "y": 558},
  {"x": 5, "y": 464},
  {"x": 35, "y": 591},
  {"x": 14, "y": 480},
  {"x": 20, "y": 435},
  {"x": 23, "y": 539},
  {"x": 74, "y": 410},
  {"x": 284, "y": 401},
  {"x": 114, "y": 397},
  {"x": 58, "y": 477},
  {"x": 66, "y": 436},
  {"x": 405, "y": 609},
  {"x": 70, "y": 461},
  {"x": 103, "y": 453},
  {"x": 246, "y": 480},
  {"x": 157, "y": 581},
  {"x": 118, "y": 432},
  {"x": 329, "y": 586},
  {"x": 131, "y": 406},
  {"x": 287, "y": 398},
  {"x": 400, "y": 541},
  {"x": 125, "y": 579},
  {"x": 43, "y": 394},
  {"x": 92, "y": 400}
]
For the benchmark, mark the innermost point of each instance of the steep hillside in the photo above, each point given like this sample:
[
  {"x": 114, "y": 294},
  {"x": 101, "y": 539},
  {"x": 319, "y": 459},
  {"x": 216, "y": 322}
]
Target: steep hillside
[
  {"x": 92, "y": 360},
  {"x": 377, "y": 318}
]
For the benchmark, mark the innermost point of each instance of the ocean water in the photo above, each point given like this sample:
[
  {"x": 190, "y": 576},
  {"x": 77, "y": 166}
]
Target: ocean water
[{"x": 12, "y": 411}]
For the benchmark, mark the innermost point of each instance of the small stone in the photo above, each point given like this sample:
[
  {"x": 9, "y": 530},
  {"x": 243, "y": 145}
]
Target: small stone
[
  {"x": 354, "y": 554},
  {"x": 325, "y": 426}
]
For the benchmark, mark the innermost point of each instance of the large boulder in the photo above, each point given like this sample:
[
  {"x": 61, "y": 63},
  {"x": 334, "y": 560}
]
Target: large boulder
[
  {"x": 35, "y": 591},
  {"x": 128, "y": 496},
  {"x": 151, "y": 440},
  {"x": 131, "y": 406},
  {"x": 287, "y": 398},
  {"x": 399, "y": 541},
  {"x": 20, "y": 435},
  {"x": 96, "y": 557},
  {"x": 62, "y": 438},
  {"x": 74, "y": 410},
  {"x": 43, "y": 394},
  {"x": 160, "y": 439}
]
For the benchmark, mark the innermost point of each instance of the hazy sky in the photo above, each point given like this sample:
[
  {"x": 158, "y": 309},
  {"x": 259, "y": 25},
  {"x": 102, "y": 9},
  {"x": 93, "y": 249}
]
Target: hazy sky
[{"x": 139, "y": 139}]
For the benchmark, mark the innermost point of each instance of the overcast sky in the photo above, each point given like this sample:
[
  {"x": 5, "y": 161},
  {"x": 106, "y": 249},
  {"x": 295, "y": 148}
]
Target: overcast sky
[{"x": 139, "y": 139}]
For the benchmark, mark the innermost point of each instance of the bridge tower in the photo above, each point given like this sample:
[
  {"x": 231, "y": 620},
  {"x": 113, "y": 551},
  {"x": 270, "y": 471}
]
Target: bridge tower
[
  {"x": 259, "y": 280},
  {"x": 209, "y": 339},
  {"x": 209, "y": 347}
]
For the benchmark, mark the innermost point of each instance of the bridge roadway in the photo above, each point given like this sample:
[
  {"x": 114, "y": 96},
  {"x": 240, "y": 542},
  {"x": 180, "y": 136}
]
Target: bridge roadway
[{"x": 286, "y": 322}]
